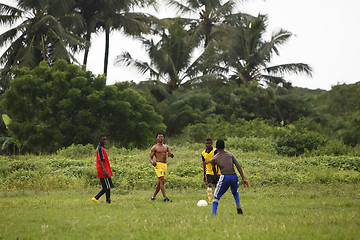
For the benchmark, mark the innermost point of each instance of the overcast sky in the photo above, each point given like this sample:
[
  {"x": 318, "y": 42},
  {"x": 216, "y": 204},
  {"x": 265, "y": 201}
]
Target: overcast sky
[{"x": 326, "y": 36}]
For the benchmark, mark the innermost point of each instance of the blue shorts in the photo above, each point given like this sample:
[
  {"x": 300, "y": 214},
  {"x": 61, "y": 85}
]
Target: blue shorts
[{"x": 224, "y": 183}]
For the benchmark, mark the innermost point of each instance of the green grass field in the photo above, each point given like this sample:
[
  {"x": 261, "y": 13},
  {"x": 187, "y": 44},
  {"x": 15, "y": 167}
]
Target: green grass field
[{"x": 316, "y": 211}]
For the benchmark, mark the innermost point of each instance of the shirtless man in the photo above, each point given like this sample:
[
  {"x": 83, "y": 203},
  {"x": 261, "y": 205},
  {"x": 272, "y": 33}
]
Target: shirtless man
[
  {"x": 161, "y": 151},
  {"x": 226, "y": 161}
]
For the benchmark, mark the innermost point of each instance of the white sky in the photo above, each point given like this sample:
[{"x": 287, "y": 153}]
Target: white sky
[{"x": 326, "y": 36}]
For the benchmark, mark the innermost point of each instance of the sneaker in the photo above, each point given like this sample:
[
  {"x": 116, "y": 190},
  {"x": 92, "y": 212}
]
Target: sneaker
[
  {"x": 239, "y": 210},
  {"x": 108, "y": 201},
  {"x": 166, "y": 199},
  {"x": 95, "y": 200},
  {"x": 152, "y": 199}
]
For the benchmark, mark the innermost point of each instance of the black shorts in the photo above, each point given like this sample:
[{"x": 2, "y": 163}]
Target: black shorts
[
  {"x": 106, "y": 183},
  {"x": 211, "y": 179}
]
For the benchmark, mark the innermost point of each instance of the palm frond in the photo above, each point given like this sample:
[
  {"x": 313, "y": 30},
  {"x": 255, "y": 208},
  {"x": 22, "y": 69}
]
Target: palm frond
[
  {"x": 270, "y": 79},
  {"x": 291, "y": 68},
  {"x": 279, "y": 38},
  {"x": 126, "y": 59},
  {"x": 181, "y": 8},
  {"x": 221, "y": 11},
  {"x": 9, "y": 15},
  {"x": 8, "y": 36},
  {"x": 133, "y": 23}
]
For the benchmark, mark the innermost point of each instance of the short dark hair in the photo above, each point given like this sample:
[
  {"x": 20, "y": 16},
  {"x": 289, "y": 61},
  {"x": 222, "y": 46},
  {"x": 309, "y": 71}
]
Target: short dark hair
[
  {"x": 220, "y": 144},
  {"x": 159, "y": 134},
  {"x": 208, "y": 140},
  {"x": 102, "y": 136}
]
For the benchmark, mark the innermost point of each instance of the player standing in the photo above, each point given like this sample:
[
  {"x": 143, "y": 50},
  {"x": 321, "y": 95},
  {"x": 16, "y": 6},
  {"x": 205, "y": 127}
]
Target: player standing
[
  {"x": 103, "y": 170},
  {"x": 209, "y": 177},
  {"x": 160, "y": 151},
  {"x": 226, "y": 161}
]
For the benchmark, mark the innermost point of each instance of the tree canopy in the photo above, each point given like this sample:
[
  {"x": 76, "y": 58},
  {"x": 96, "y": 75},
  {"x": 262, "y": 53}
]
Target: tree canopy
[{"x": 53, "y": 107}]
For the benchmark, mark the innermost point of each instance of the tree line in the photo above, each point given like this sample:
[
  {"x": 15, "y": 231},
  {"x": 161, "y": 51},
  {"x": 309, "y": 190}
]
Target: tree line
[{"x": 208, "y": 71}]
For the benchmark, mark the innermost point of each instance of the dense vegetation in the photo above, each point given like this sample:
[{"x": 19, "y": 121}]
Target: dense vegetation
[
  {"x": 73, "y": 167},
  {"x": 210, "y": 75}
]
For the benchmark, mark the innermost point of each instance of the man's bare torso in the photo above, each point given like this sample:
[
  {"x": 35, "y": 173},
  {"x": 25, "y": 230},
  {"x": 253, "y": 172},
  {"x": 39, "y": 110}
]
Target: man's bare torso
[{"x": 160, "y": 151}]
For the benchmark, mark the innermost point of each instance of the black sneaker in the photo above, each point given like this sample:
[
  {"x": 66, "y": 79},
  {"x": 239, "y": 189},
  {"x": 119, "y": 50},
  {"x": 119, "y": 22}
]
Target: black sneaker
[
  {"x": 239, "y": 210},
  {"x": 152, "y": 199},
  {"x": 167, "y": 200},
  {"x": 108, "y": 201}
]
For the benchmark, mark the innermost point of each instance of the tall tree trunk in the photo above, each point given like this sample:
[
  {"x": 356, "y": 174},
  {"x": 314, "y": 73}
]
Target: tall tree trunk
[
  {"x": 87, "y": 46},
  {"x": 107, "y": 41}
]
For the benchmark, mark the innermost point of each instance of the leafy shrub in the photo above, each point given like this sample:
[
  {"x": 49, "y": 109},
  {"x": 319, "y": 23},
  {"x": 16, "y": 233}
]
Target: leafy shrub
[
  {"x": 197, "y": 132},
  {"x": 251, "y": 144},
  {"x": 301, "y": 136},
  {"x": 340, "y": 162},
  {"x": 76, "y": 151},
  {"x": 216, "y": 127},
  {"x": 333, "y": 148},
  {"x": 133, "y": 170}
]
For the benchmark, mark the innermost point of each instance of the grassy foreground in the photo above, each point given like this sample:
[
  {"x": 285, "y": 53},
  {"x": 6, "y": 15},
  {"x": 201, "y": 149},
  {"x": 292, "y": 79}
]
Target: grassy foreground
[{"x": 274, "y": 212}]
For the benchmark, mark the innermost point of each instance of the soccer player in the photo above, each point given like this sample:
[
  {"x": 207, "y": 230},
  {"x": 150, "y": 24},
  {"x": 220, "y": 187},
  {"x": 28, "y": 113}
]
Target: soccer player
[
  {"x": 103, "y": 170},
  {"x": 160, "y": 151},
  {"x": 209, "y": 177},
  {"x": 226, "y": 161}
]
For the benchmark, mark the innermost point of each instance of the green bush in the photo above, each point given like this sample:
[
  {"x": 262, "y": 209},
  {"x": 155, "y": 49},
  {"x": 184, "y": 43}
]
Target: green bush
[
  {"x": 299, "y": 140},
  {"x": 197, "y": 133},
  {"x": 333, "y": 148},
  {"x": 132, "y": 169},
  {"x": 76, "y": 151},
  {"x": 251, "y": 144}
]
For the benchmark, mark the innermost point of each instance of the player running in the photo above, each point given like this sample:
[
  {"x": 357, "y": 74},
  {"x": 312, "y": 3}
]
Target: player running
[
  {"x": 209, "y": 177},
  {"x": 226, "y": 161},
  {"x": 160, "y": 151}
]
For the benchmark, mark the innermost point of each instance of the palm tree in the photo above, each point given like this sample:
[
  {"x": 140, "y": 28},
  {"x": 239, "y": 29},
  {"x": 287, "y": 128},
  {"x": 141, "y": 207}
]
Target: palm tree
[
  {"x": 248, "y": 55},
  {"x": 170, "y": 57},
  {"x": 89, "y": 11},
  {"x": 40, "y": 36},
  {"x": 207, "y": 29},
  {"x": 117, "y": 15},
  {"x": 211, "y": 15}
]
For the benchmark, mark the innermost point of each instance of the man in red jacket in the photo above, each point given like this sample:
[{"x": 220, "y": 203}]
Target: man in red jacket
[{"x": 103, "y": 170}]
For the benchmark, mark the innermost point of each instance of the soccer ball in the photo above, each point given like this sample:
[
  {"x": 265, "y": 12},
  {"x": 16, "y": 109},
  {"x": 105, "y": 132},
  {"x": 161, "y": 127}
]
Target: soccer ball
[{"x": 202, "y": 203}]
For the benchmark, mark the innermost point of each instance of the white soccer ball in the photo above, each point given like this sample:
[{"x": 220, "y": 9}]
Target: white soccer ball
[{"x": 202, "y": 203}]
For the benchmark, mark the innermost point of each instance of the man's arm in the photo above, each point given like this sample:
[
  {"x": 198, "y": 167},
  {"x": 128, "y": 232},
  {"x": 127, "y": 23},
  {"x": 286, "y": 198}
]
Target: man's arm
[
  {"x": 101, "y": 158},
  {"x": 214, "y": 168},
  {"x": 106, "y": 174},
  {"x": 170, "y": 154},
  {"x": 245, "y": 182},
  {"x": 210, "y": 161},
  {"x": 152, "y": 153},
  {"x": 203, "y": 159}
]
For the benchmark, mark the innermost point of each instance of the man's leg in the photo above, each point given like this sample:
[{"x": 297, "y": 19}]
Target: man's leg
[
  {"x": 236, "y": 195},
  {"x": 162, "y": 185},
  {"x": 100, "y": 194},
  {"x": 157, "y": 188},
  {"x": 215, "y": 206},
  {"x": 234, "y": 187},
  {"x": 209, "y": 192},
  {"x": 107, "y": 191},
  {"x": 221, "y": 187}
]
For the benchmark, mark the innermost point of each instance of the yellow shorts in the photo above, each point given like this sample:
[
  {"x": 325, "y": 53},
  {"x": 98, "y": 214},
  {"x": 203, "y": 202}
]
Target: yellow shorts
[{"x": 160, "y": 169}]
